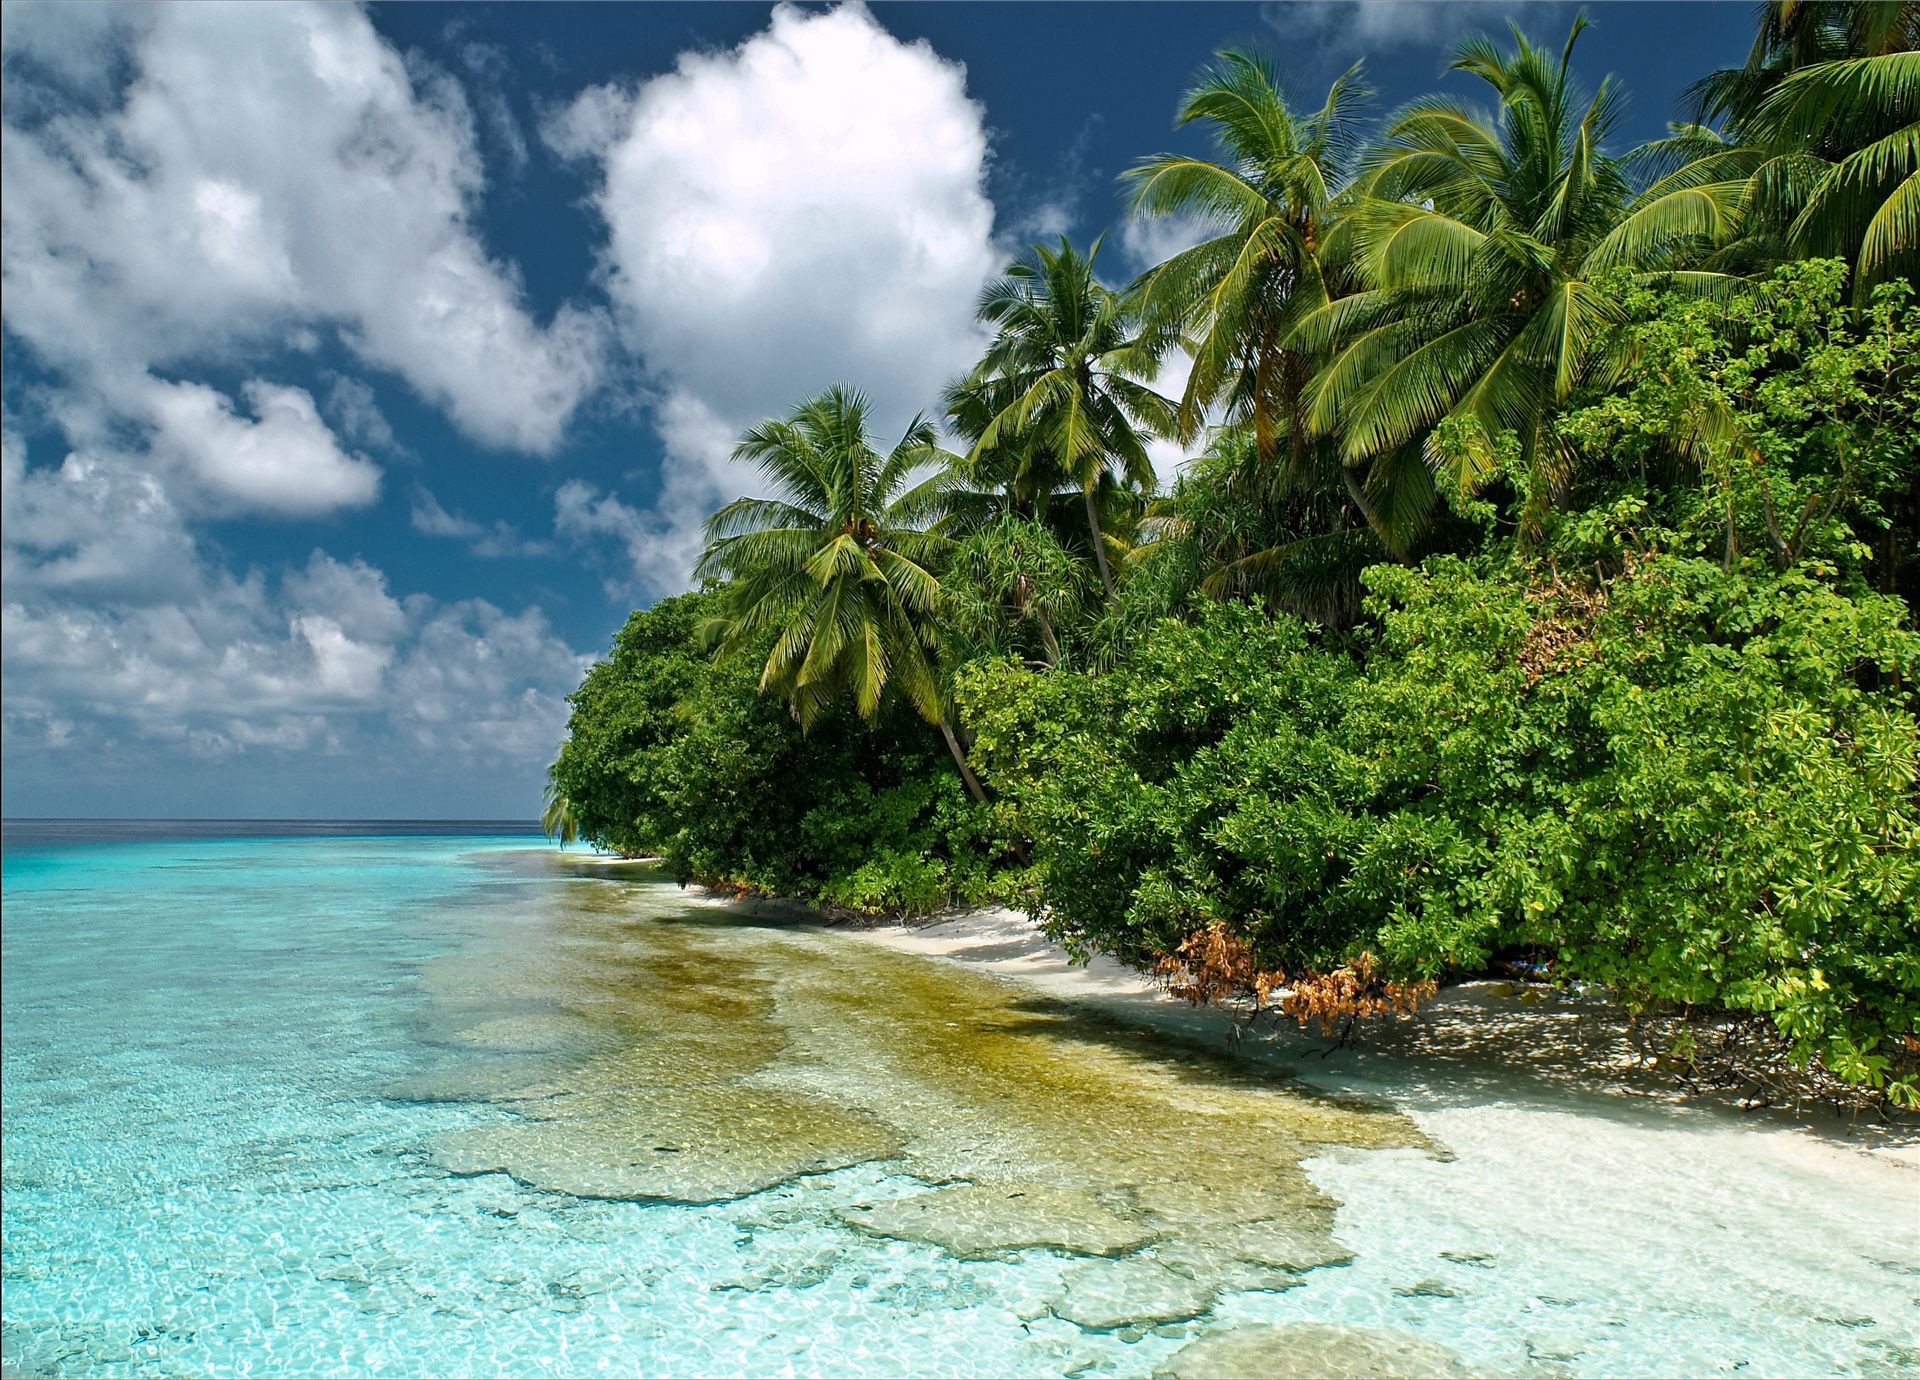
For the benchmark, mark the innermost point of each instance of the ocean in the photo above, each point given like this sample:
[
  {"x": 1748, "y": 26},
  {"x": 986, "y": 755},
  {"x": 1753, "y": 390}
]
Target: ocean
[{"x": 436, "y": 1098}]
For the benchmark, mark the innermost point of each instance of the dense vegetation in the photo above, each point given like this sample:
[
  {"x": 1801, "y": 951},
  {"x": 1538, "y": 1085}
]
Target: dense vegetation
[{"x": 1540, "y": 588}]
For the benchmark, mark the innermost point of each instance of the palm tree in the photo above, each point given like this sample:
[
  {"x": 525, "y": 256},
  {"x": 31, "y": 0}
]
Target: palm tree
[
  {"x": 1270, "y": 198},
  {"x": 1794, "y": 35},
  {"x": 1484, "y": 244},
  {"x": 557, "y": 819},
  {"x": 1059, "y": 391},
  {"x": 836, "y": 567},
  {"x": 1827, "y": 112},
  {"x": 1280, "y": 252}
]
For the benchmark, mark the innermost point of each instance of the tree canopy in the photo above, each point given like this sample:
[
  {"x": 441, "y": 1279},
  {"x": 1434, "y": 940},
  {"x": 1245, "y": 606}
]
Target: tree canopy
[{"x": 1537, "y": 589}]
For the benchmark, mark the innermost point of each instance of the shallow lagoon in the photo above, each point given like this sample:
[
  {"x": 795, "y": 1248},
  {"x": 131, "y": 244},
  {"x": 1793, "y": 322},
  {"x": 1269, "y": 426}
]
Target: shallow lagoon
[{"x": 431, "y": 1106}]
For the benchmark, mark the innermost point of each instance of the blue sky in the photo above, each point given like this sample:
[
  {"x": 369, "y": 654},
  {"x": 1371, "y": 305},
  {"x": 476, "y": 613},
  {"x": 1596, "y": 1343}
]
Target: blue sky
[{"x": 364, "y": 367}]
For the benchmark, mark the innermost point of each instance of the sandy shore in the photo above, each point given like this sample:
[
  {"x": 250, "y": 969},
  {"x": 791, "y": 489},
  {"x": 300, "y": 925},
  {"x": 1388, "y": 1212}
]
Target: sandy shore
[{"x": 1477, "y": 1044}]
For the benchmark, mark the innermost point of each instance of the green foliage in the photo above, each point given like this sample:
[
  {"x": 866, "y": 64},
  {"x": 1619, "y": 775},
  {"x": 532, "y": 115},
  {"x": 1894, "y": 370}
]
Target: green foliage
[
  {"x": 1012, "y": 588},
  {"x": 625, "y": 710},
  {"x": 1673, "y": 781},
  {"x": 1235, "y": 527},
  {"x": 1803, "y": 414},
  {"x": 669, "y": 751},
  {"x": 1638, "y": 699}
]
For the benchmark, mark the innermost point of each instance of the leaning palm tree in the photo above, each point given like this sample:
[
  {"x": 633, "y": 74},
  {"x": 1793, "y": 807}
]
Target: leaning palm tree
[
  {"x": 835, "y": 567},
  {"x": 1268, "y": 200},
  {"x": 557, "y": 820},
  {"x": 1063, "y": 383},
  {"x": 1485, "y": 245}
]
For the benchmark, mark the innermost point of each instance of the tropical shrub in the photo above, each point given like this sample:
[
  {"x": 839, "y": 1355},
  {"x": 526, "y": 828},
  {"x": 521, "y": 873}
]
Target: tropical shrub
[
  {"x": 609, "y": 770},
  {"x": 671, "y": 752},
  {"x": 1544, "y": 600},
  {"x": 1694, "y": 787}
]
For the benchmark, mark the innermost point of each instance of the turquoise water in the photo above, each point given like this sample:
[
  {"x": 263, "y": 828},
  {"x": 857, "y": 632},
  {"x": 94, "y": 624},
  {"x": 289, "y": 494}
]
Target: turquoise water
[{"x": 213, "y": 1164}]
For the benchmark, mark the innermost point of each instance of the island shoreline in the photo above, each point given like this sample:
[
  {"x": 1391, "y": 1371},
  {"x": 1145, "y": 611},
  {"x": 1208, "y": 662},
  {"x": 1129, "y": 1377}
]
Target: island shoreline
[{"x": 1469, "y": 1032}]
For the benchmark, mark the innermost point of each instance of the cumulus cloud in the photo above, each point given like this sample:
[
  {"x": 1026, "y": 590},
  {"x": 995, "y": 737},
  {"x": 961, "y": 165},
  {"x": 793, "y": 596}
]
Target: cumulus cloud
[
  {"x": 266, "y": 169},
  {"x": 283, "y": 460},
  {"x": 805, "y": 209},
  {"x": 589, "y": 124},
  {"x": 655, "y": 549},
  {"x": 125, "y": 647},
  {"x": 89, "y": 529}
]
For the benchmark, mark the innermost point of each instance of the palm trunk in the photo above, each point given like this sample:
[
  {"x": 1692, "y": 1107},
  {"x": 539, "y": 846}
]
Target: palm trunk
[
  {"x": 1023, "y": 603},
  {"x": 1047, "y": 639},
  {"x": 1100, "y": 548},
  {"x": 960, "y": 761}
]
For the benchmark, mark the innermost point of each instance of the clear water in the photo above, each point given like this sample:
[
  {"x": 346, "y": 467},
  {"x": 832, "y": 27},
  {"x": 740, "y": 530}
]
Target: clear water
[{"x": 239, "y": 1076}]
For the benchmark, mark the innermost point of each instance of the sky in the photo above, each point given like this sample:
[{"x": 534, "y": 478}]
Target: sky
[{"x": 365, "y": 366}]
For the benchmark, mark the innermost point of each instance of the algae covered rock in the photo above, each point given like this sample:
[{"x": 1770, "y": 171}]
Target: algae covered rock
[
  {"x": 978, "y": 1220},
  {"x": 732, "y": 1142},
  {"x": 541, "y": 1034},
  {"x": 1107, "y": 1295},
  {"x": 1312, "y": 1351}
]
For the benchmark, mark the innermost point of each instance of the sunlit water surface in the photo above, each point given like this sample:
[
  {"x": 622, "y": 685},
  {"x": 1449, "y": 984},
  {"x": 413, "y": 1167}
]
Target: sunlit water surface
[{"x": 449, "y": 1105}]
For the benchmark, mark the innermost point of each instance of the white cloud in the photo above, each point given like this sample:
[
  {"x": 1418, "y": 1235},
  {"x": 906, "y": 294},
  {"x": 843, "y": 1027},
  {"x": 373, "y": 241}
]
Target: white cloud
[
  {"x": 351, "y": 595},
  {"x": 269, "y": 168},
  {"x": 432, "y": 519},
  {"x": 803, "y": 210},
  {"x": 1148, "y": 241},
  {"x": 492, "y": 73},
  {"x": 502, "y": 539},
  {"x": 73, "y": 44},
  {"x": 283, "y": 460},
  {"x": 89, "y": 528},
  {"x": 657, "y": 549},
  {"x": 124, "y": 648},
  {"x": 589, "y": 124},
  {"x": 1045, "y": 210},
  {"x": 355, "y": 413},
  {"x": 1358, "y": 26},
  {"x": 1171, "y": 457}
]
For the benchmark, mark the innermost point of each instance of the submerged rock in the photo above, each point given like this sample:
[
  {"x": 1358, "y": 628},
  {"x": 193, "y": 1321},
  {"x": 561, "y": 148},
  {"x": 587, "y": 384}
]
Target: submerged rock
[
  {"x": 802, "y": 1273},
  {"x": 1107, "y": 1295},
  {"x": 543, "y": 1034},
  {"x": 647, "y": 1051},
  {"x": 977, "y": 1220},
  {"x": 1282, "y": 1246},
  {"x": 1312, "y": 1351},
  {"x": 732, "y": 1142}
]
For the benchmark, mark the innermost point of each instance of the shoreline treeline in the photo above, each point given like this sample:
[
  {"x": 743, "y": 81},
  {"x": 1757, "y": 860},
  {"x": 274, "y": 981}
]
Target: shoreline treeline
[{"x": 1538, "y": 590}]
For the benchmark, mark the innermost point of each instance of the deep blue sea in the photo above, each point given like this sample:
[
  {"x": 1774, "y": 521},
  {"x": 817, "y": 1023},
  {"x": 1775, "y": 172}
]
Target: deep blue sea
[{"x": 253, "y": 1073}]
